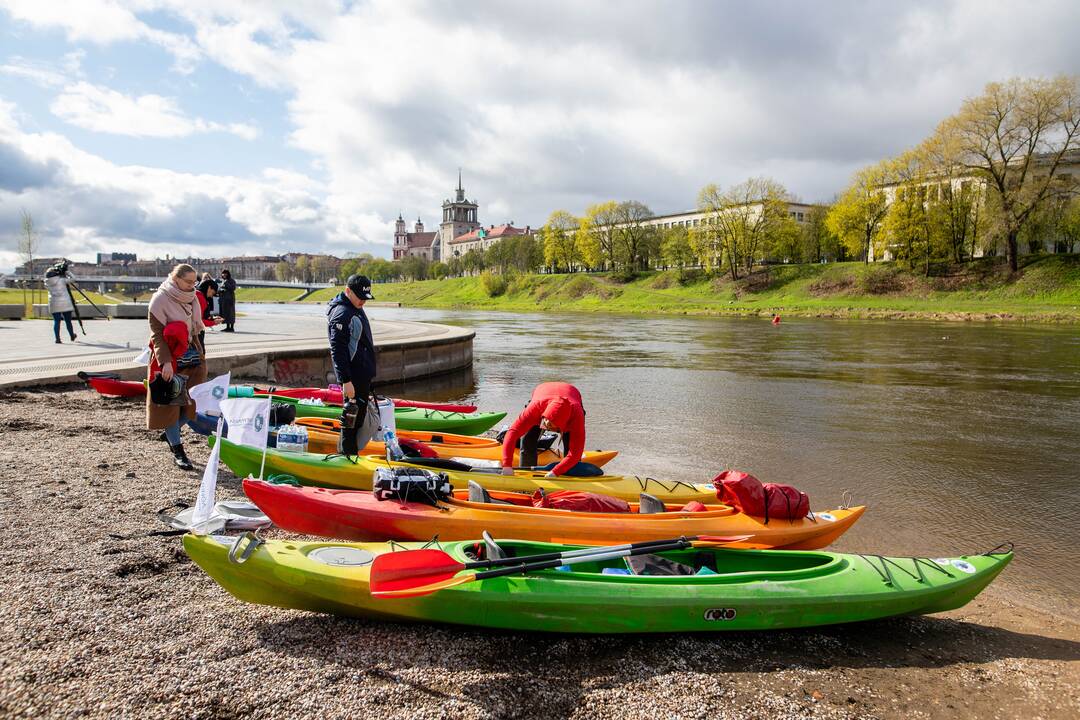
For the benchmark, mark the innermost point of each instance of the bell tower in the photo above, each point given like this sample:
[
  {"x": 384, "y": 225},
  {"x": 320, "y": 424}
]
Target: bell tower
[
  {"x": 401, "y": 238},
  {"x": 458, "y": 218}
]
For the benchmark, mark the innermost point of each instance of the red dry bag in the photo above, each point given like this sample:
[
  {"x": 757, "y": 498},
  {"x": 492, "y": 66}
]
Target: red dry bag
[
  {"x": 741, "y": 491},
  {"x": 579, "y": 501},
  {"x": 785, "y": 502}
]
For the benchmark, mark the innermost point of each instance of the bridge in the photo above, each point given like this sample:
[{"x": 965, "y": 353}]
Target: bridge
[{"x": 103, "y": 280}]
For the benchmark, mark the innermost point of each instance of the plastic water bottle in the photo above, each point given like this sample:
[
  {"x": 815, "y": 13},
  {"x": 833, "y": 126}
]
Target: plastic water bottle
[
  {"x": 292, "y": 438},
  {"x": 389, "y": 429}
]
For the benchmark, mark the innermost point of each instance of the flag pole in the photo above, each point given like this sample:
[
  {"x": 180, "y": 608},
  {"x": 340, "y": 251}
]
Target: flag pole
[
  {"x": 204, "y": 504},
  {"x": 266, "y": 442}
]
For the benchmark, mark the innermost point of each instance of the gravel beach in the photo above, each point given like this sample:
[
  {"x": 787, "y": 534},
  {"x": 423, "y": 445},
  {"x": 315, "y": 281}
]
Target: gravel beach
[{"x": 92, "y": 626}]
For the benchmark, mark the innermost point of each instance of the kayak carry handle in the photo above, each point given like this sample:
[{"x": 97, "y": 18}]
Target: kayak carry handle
[{"x": 1003, "y": 549}]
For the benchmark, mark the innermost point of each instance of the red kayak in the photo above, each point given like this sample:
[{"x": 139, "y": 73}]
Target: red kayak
[
  {"x": 333, "y": 397},
  {"x": 111, "y": 385}
]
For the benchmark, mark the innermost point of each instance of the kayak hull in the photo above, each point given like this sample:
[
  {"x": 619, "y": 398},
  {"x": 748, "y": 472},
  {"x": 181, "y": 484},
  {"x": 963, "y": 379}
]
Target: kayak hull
[
  {"x": 117, "y": 388},
  {"x": 752, "y": 589},
  {"x": 334, "y": 397},
  {"x": 356, "y": 474},
  {"x": 325, "y": 442},
  {"x": 359, "y": 515},
  {"x": 409, "y": 418}
]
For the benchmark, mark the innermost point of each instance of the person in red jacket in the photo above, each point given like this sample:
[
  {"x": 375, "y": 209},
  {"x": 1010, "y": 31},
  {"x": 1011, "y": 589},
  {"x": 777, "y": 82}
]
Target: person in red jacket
[{"x": 553, "y": 406}]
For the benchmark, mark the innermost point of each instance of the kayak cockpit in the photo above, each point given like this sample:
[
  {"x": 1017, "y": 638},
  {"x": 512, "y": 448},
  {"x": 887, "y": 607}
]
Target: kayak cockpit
[{"x": 693, "y": 565}]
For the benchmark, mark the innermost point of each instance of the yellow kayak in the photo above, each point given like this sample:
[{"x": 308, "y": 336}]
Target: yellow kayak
[{"x": 356, "y": 474}]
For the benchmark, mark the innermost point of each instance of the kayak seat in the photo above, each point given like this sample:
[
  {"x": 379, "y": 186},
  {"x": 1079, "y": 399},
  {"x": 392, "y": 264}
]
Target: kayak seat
[
  {"x": 649, "y": 504},
  {"x": 494, "y": 552},
  {"x": 660, "y": 565},
  {"x": 478, "y": 494},
  {"x": 582, "y": 469}
]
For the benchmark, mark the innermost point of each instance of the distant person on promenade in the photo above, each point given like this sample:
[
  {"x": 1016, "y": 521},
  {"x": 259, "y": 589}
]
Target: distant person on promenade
[
  {"x": 61, "y": 304},
  {"x": 553, "y": 406},
  {"x": 227, "y": 300},
  {"x": 205, "y": 293},
  {"x": 352, "y": 350},
  {"x": 178, "y": 360}
]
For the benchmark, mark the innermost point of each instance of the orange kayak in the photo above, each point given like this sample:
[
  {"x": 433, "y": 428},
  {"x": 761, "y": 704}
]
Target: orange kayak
[
  {"x": 359, "y": 515},
  {"x": 323, "y": 437}
]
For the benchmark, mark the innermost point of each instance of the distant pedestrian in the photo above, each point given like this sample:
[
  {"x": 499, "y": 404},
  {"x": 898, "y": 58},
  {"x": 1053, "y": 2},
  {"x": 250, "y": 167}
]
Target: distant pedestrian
[
  {"x": 227, "y": 300},
  {"x": 61, "y": 303},
  {"x": 205, "y": 293},
  {"x": 175, "y": 318}
]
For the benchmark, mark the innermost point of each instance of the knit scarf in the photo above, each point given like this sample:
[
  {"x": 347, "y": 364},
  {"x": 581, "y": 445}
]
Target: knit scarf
[{"x": 171, "y": 304}]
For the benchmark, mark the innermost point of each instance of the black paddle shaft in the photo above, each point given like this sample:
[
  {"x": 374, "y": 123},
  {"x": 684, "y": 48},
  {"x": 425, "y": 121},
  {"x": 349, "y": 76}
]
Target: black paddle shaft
[
  {"x": 681, "y": 544},
  {"x": 559, "y": 555}
]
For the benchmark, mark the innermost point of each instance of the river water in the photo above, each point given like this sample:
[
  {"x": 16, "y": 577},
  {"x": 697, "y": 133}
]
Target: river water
[{"x": 957, "y": 436}]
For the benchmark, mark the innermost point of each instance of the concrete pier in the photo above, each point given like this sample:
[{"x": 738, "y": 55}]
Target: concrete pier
[{"x": 281, "y": 349}]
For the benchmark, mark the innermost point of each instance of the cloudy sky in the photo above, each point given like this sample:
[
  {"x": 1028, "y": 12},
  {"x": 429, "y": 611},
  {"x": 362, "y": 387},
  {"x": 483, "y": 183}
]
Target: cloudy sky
[{"x": 216, "y": 128}]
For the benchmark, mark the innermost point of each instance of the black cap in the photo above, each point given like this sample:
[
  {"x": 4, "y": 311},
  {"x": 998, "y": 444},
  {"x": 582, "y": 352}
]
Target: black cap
[
  {"x": 361, "y": 286},
  {"x": 167, "y": 392}
]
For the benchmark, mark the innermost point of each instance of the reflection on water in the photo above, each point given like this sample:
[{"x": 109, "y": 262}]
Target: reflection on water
[{"x": 957, "y": 436}]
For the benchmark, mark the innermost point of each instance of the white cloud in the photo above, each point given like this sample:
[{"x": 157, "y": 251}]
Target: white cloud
[
  {"x": 83, "y": 204},
  {"x": 560, "y": 104},
  {"x": 105, "y": 110},
  {"x": 103, "y": 22}
]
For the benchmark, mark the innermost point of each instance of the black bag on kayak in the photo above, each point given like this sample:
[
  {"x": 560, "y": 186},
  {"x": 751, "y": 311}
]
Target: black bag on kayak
[
  {"x": 282, "y": 413},
  {"x": 408, "y": 484}
]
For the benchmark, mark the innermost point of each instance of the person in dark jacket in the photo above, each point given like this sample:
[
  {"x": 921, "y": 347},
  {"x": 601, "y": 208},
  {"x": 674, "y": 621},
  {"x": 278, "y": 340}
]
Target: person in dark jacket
[
  {"x": 227, "y": 300},
  {"x": 352, "y": 349}
]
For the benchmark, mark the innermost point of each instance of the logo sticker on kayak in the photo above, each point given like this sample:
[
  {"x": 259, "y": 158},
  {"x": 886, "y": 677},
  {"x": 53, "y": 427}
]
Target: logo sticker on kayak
[
  {"x": 827, "y": 516},
  {"x": 961, "y": 565},
  {"x": 720, "y": 614}
]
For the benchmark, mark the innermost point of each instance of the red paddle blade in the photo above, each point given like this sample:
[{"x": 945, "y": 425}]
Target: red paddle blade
[
  {"x": 408, "y": 569},
  {"x": 424, "y": 589}
]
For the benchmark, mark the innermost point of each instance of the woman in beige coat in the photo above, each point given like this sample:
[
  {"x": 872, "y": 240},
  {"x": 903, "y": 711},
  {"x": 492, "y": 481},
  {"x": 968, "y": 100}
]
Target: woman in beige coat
[{"x": 174, "y": 303}]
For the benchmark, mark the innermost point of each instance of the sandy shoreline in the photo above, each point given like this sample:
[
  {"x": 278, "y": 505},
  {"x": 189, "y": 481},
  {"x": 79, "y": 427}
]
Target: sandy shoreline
[{"x": 99, "y": 627}]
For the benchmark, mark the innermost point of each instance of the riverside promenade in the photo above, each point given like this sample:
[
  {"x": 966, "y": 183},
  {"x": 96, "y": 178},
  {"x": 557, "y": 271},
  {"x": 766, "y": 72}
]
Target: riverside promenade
[{"x": 278, "y": 348}]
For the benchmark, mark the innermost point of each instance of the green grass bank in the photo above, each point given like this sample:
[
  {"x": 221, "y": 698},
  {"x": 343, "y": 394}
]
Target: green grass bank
[{"x": 1046, "y": 289}]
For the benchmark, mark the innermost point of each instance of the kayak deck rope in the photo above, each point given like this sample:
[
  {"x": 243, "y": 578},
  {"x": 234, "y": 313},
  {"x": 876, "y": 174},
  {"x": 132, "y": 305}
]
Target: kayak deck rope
[
  {"x": 916, "y": 562},
  {"x": 644, "y": 484},
  {"x": 395, "y": 546}
]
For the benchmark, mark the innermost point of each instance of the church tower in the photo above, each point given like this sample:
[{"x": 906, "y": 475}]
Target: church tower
[
  {"x": 458, "y": 218},
  {"x": 401, "y": 238}
]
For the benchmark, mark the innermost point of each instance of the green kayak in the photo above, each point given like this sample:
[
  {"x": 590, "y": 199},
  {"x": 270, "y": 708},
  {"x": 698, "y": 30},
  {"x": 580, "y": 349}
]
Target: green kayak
[
  {"x": 738, "y": 590},
  {"x": 409, "y": 418}
]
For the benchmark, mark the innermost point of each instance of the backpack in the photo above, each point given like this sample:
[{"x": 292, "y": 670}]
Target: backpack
[{"x": 410, "y": 484}]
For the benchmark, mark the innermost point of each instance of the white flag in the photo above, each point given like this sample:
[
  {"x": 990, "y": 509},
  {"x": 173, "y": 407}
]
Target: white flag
[
  {"x": 143, "y": 358},
  {"x": 209, "y": 395},
  {"x": 204, "y": 505},
  {"x": 248, "y": 419}
]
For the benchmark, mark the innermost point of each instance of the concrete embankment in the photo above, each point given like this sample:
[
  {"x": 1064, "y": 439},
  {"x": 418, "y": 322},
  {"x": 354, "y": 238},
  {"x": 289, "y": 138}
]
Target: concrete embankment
[{"x": 283, "y": 349}]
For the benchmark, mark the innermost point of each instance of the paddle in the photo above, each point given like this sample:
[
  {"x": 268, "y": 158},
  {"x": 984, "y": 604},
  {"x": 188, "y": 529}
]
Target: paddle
[{"x": 419, "y": 572}]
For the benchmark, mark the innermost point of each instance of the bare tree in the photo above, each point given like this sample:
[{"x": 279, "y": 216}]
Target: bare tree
[
  {"x": 1015, "y": 136},
  {"x": 28, "y": 245}
]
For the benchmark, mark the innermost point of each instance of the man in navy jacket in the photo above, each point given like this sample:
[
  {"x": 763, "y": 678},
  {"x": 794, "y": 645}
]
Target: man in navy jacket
[{"x": 351, "y": 347}]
